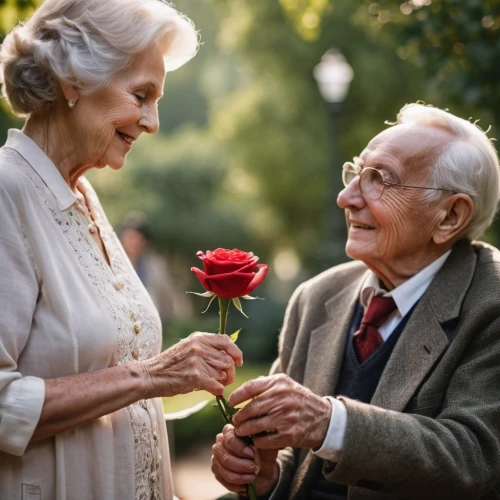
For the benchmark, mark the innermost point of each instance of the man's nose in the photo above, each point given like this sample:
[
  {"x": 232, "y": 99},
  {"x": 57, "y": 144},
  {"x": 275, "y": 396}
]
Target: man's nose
[{"x": 351, "y": 195}]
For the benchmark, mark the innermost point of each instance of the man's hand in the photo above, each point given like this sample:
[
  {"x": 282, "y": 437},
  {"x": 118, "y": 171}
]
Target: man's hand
[
  {"x": 282, "y": 413},
  {"x": 235, "y": 464}
]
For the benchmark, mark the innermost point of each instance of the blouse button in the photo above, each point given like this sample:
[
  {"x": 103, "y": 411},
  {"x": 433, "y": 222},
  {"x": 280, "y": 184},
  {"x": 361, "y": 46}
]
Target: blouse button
[
  {"x": 137, "y": 328},
  {"x": 92, "y": 228},
  {"x": 118, "y": 286},
  {"x": 136, "y": 353}
]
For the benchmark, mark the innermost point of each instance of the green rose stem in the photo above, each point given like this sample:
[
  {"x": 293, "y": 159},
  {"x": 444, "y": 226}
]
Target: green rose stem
[{"x": 223, "y": 405}]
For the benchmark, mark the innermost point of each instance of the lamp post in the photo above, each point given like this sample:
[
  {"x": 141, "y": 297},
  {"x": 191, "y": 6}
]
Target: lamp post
[{"x": 333, "y": 76}]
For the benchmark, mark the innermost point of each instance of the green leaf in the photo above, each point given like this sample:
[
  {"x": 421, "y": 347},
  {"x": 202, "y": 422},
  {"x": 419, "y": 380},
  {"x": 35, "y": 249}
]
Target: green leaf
[
  {"x": 206, "y": 294},
  {"x": 209, "y": 304},
  {"x": 237, "y": 304},
  {"x": 249, "y": 297},
  {"x": 234, "y": 336}
]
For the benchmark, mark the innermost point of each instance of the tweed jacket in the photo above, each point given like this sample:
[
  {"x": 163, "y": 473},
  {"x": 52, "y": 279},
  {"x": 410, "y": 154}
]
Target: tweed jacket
[{"x": 432, "y": 429}]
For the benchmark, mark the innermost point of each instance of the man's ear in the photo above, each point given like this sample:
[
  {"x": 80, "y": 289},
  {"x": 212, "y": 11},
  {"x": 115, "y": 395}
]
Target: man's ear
[
  {"x": 458, "y": 212},
  {"x": 69, "y": 91}
]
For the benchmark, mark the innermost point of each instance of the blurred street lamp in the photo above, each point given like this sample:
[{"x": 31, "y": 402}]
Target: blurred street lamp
[{"x": 333, "y": 76}]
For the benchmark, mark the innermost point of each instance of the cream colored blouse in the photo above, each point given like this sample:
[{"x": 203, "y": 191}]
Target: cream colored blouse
[{"x": 63, "y": 311}]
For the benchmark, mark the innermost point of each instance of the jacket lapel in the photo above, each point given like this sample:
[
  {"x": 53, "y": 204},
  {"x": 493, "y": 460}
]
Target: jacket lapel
[
  {"x": 328, "y": 341},
  {"x": 423, "y": 340}
]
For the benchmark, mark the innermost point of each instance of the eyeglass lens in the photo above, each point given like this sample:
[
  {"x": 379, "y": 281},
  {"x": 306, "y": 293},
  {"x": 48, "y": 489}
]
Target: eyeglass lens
[{"x": 371, "y": 182}]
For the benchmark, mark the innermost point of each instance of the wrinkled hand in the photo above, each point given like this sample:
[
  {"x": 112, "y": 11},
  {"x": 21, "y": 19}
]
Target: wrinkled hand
[
  {"x": 235, "y": 464},
  {"x": 203, "y": 361},
  {"x": 284, "y": 411}
]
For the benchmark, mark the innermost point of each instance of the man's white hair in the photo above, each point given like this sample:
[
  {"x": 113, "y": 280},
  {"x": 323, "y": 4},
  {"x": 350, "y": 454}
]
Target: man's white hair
[
  {"x": 468, "y": 163},
  {"x": 85, "y": 43}
]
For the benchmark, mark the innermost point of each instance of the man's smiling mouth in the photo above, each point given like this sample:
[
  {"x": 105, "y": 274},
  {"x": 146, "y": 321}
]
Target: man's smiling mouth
[{"x": 357, "y": 225}]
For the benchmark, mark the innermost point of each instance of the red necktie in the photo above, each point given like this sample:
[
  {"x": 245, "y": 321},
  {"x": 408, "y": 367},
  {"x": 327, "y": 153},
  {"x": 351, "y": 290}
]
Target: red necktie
[{"x": 367, "y": 339}]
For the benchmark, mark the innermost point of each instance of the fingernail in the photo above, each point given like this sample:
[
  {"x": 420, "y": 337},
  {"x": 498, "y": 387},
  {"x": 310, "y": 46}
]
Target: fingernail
[{"x": 248, "y": 451}]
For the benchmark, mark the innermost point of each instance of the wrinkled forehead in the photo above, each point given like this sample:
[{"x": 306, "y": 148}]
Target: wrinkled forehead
[{"x": 406, "y": 146}]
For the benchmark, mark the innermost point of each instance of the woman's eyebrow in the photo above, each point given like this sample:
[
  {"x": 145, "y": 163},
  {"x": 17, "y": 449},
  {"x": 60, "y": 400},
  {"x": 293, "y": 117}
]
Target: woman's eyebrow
[{"x": 152, "y": 85}]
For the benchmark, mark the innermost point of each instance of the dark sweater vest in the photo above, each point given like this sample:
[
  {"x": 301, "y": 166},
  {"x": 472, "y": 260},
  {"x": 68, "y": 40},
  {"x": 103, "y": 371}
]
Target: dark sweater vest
[{"x": 357, "y": 381}]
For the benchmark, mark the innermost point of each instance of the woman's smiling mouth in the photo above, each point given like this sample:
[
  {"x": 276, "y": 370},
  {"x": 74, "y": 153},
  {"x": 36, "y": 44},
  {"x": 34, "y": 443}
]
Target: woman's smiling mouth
[{"x": 127, "y": 139}]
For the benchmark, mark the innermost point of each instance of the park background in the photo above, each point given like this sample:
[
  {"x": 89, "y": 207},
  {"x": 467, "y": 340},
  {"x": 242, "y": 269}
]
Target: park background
[{"x": 249, "y": 153}]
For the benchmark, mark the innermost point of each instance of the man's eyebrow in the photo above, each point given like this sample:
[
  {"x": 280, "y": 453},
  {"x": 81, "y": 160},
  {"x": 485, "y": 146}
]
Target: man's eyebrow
[{"x": 381, "y": 164}]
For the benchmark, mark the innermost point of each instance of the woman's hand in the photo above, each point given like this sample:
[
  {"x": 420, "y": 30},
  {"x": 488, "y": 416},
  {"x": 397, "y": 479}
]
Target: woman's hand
[
  {"x": 235, "y": 464},
  {"x": 203, "y": 361}
]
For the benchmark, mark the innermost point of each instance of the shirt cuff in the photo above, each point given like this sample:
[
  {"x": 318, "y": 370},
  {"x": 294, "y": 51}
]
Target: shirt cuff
[
  {"x": 333, "y": 444},
  {"x": 21, "y": 401}
]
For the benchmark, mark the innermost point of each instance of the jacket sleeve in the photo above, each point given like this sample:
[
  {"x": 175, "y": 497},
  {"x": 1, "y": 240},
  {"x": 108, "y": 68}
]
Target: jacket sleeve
[
  {"x": 21, "y": 398},
  {"x": 454, "y": 454}
]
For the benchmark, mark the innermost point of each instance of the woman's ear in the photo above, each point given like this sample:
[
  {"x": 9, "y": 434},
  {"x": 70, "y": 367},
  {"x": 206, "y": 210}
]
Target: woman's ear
[
  {"x": 69, "y": 91},
  {"x": 458, "y": 212}
]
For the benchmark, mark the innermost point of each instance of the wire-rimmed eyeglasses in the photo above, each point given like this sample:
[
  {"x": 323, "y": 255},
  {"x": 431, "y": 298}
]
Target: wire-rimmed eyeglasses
[{"x": 372, "y": 182}]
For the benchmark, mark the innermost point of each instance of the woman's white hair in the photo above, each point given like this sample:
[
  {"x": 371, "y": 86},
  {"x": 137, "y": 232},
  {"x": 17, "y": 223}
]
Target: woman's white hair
[
  {"x": 85, "y": 43},
  {"x": 468, "y": 163}
]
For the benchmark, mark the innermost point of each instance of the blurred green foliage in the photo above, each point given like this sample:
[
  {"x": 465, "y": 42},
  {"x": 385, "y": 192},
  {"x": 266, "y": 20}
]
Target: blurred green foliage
[{"x": 457, "y": 42}]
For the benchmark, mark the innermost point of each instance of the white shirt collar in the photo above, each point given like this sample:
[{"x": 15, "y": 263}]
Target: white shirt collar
[
  {"x": 43, "y": 166},
  {"x": 408, "y": 293}
]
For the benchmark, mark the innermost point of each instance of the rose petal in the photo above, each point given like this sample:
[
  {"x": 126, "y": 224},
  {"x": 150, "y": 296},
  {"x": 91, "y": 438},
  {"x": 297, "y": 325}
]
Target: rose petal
[
  {"x": 234, "y": 254},
  {"x": 202, "y": 277},
  {"x": 200, "y": 255},
  {"x": 212, "y": 267},
  {"x": 259, "y": 277},
  {"x": 229, "y": 285}
]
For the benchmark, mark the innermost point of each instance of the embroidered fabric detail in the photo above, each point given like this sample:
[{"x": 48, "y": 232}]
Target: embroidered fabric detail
[{"x": 127, "y": 302}]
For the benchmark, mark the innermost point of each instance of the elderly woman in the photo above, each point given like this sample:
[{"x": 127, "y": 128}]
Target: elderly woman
[
  {"x": 80, "y": 361},
  {"x": 388, "y": 374}
]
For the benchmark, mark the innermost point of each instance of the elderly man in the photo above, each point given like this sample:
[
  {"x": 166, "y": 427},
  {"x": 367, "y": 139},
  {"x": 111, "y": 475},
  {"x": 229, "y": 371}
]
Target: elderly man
[{"x": 388, "y": 376}]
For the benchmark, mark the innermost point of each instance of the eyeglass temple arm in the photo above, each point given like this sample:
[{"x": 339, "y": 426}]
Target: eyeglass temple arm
[{"x": 417, "y": 187}]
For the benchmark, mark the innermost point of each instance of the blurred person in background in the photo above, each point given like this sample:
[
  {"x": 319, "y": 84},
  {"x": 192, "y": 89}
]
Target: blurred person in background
[
  {"x": 135, "y": 236},
  {"x": 81, "y": 371},
  {"x": 387, "y": 380}
]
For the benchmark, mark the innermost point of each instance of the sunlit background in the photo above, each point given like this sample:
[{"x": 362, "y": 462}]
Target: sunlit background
[{"x": 254, "y": 132}]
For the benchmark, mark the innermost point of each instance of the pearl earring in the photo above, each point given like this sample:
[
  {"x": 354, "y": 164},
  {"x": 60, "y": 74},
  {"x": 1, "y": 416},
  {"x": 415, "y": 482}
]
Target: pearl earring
[{"x": 71, "y": 103}]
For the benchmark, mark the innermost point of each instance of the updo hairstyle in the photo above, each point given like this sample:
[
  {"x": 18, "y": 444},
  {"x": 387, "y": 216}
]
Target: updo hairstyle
[{"x": 85, "y": 43}]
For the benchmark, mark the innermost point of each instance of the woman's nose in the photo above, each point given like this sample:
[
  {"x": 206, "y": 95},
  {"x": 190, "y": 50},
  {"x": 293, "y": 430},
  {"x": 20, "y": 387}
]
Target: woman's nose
[{"x": 150, "y": 121}]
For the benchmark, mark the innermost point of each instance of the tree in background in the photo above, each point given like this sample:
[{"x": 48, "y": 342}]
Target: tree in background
[{"x": 456, "y": 42}]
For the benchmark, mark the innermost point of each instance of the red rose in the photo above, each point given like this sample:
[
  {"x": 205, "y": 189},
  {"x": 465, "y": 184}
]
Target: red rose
[{"x": 230, "y": 273}]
